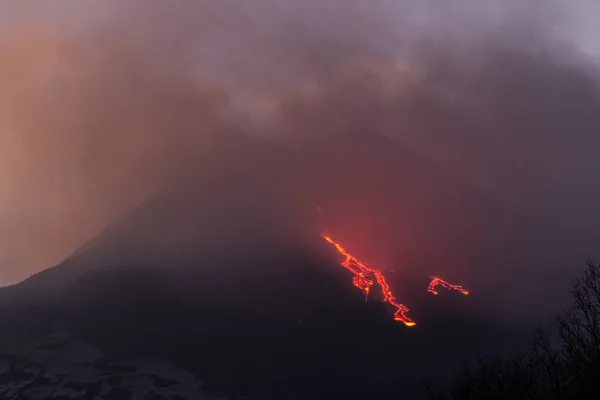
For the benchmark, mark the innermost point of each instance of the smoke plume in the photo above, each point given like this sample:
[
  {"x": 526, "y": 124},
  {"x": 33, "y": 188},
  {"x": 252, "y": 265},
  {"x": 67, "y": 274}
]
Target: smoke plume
[{"x": 103, "y": 103}]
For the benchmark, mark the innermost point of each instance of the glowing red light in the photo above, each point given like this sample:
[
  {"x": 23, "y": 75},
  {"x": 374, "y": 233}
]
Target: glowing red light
[
  {"x": 435, "y": 281},
  {"x": 363, "y": 280}
]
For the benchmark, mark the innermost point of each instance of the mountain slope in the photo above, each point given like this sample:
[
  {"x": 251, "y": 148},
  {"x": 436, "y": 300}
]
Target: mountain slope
[{"x": 225, "y": 274}]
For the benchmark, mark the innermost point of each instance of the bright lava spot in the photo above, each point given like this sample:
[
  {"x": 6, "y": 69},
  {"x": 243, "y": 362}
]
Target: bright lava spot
[
  {"x": 363, "y": 280},
  {"x": 435, "y": 281}
]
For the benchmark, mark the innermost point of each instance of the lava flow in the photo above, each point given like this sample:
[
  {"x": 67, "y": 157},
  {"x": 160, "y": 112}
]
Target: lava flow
[
  {"x": 435, "y": 281},
  {"x": 363, "y": 280}
]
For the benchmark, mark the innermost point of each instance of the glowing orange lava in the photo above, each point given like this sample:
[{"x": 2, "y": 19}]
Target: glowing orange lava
[
  {"x": 435, "y": 281},
  {"x": 363, "y": 280}
]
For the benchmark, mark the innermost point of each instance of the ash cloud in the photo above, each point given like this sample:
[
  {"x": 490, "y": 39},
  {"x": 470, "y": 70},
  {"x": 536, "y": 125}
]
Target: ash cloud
[
  {"x": 103, "y": 103},
  {"x": 91, "y": 122}
]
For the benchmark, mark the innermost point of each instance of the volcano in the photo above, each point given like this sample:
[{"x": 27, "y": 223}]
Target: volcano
[{"x": 221, "y": 285}]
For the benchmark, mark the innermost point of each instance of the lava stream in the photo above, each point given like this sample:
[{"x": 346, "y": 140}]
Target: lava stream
[
  {"x": 362, "y": 273},
  {"x": 435, "y": 281}
]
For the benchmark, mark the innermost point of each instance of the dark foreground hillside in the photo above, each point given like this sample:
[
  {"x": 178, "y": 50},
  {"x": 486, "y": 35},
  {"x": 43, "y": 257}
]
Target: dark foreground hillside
[
  {"x": 222, "y": 286},
  {"x": 288, "y": 328}
]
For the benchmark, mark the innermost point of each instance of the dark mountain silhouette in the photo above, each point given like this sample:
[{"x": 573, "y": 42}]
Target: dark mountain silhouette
[
  {"x": 224, "y": 274},
  {"x": 281, "y": 327}
]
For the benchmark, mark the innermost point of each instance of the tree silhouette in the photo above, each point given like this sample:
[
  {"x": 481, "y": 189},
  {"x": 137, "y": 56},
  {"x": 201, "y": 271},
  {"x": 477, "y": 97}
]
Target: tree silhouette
[{"x": 566, "y": 372}]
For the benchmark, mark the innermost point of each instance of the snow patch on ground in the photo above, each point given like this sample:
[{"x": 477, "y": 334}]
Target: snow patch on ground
[{"x": 58, "y": 366}]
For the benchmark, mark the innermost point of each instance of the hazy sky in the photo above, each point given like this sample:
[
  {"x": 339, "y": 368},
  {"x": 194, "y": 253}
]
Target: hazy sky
[{"x": 101, "y": 100}]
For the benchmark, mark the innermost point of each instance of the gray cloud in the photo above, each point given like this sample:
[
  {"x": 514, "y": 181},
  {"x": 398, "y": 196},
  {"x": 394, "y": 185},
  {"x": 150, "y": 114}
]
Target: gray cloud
[{"x": 101, "y": 103}]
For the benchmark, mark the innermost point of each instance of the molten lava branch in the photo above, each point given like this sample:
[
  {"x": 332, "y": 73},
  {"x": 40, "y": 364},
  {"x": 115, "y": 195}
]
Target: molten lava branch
[
  {"x": 435, "y": 281},
  {"x": 362, "y": 273}
]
